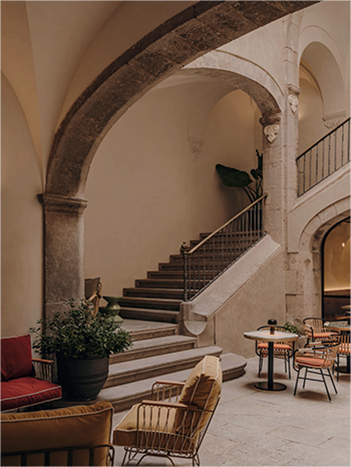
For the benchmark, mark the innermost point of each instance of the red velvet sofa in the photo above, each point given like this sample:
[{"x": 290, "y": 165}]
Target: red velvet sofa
[{"x": 24, "y": 381}]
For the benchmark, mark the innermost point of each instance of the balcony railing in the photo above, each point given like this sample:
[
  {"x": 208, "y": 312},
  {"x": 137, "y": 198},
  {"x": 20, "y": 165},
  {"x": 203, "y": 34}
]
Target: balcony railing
[
  {"x": 217, "y": 252},
  {"x": 323, "y": 158}
]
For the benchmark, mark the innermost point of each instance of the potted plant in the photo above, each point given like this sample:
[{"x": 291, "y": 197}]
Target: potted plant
[
  {"x": 82, "y": 342},
  {"x": 240, "y": 179}
]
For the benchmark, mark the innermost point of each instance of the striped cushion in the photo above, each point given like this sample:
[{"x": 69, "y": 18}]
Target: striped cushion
[
  {"x": 264, "y": 345},
  {"x": 310, "y": 361}
]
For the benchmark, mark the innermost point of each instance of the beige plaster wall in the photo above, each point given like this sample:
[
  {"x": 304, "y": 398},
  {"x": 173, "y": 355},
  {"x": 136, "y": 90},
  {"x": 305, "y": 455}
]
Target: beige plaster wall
[
  {"x": 21, "y": 220},
  {"x": 147, "y": 192},
  {"x": 261, "y": 298}
]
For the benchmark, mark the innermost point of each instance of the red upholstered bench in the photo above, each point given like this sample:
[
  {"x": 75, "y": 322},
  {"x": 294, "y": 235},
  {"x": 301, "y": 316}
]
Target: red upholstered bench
[{"x": 24, "y": 381}]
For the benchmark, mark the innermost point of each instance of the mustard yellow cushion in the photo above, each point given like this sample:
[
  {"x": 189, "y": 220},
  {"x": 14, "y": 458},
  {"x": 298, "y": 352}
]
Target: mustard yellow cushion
[
  {"x": 201, "y": 389},
  {"x": 72, "y": 426}
]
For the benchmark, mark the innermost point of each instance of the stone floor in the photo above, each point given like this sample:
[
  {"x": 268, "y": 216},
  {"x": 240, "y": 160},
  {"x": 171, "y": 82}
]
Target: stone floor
[{"x": 258, "y": 428}]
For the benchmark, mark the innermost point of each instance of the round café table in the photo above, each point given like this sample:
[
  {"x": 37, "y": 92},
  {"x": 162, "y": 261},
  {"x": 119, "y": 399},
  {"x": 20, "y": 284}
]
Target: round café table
[
  {"x": 265, "y": 336},
  {"x": 344, "y": 328}
]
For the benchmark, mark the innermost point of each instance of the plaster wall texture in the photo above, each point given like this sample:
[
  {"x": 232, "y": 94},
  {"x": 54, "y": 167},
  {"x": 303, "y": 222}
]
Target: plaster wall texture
[
  {"x": 21, "y": 220},
  {"x": 261, "y": 298},
  {"x": 148, "y": 192}
]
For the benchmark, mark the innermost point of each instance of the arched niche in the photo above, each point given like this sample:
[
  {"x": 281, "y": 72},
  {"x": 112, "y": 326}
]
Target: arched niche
[{"x": 327, "y": 68}]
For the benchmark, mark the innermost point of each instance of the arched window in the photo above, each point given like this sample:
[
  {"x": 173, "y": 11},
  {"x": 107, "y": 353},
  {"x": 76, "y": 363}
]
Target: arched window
[{"x": 336, "y": 271}]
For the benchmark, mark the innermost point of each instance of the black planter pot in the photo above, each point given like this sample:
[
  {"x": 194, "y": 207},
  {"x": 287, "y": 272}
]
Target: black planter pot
[{"x": 82, "y": 380}]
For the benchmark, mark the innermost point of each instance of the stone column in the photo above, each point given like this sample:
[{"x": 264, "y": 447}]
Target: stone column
[
  {"x": 63, "y": 251},
  {"x": 273, "y": 176}
]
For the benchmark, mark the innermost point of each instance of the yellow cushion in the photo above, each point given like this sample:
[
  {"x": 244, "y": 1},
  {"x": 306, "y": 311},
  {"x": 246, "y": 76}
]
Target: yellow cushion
[
  {"x": 72, "y": 426},
  {"x": 156, "y": 430},
  {"x": 201, "y": 389}
]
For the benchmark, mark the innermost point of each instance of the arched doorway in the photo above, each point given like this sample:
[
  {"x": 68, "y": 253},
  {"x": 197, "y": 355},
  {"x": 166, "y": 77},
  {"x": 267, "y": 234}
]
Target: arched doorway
[{"x": 336, "y": 271}]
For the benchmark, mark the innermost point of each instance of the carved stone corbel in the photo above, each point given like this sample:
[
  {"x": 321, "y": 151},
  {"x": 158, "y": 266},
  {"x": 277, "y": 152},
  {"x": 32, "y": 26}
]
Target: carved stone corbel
[{"x": 271, "y": 126}]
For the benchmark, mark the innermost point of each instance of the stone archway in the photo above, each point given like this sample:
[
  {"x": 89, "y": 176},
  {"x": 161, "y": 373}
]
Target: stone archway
[
  {"x": 196, "y": 30},
  {"x": 305, "y": 266}
]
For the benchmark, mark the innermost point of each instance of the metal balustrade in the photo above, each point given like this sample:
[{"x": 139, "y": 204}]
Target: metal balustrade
[
  {"x": 324, "y": 158},
  {"x": 217, "y": 252}
]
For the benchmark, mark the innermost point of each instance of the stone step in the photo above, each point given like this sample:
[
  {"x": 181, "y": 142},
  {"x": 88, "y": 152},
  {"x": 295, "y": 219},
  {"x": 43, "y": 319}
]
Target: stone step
[
  {"x": 216, "y": 244},
  {"x": 177, "y": 265},
  {"x": 156, "y": 346},
  {"x": 153, "y": 303},
  {"x": 176, "y": 283},
  {"x": 143, "y": 368},
  {"x": 235, "y": 234},
  {"x": 167, "y": 316},
  {"x": 123, "y": 397},
  {"x": 154, "y": 293},
  {"x": 144, "y": 329},
  {"x": 177, "y": 274}
]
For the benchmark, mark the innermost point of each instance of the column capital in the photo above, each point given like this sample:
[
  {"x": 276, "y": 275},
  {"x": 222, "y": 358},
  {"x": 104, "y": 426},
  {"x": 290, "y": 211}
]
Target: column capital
[
  {"x": 51, "y": 202},
  {"x": 293, "y": 89}
]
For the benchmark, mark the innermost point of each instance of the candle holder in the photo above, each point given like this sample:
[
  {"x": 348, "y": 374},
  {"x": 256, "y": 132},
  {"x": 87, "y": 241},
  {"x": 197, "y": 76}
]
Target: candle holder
[{"x": 272, "y": 323}]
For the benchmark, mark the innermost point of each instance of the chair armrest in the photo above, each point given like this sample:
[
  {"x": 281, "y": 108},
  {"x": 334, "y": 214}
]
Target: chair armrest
[
  {"x": 166, "y": 390},
  {"x": 42, "y": 360},
  {"x": 169, "y": 383},
  {"x": 170, "y": 405}
]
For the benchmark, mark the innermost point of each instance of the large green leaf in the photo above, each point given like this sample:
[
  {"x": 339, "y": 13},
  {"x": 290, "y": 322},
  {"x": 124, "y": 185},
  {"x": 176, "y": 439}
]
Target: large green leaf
[{"x": 233, "y": 177}]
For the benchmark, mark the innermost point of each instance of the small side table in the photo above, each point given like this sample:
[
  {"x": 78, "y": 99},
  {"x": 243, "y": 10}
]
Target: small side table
[{"x": 265, "y": 336}]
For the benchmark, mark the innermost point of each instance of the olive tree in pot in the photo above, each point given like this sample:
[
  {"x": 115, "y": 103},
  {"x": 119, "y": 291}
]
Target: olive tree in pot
[{"x": 82, "y": 342}]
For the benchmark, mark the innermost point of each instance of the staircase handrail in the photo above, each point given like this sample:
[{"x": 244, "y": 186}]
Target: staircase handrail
[
  {"x": 323, "y": 158},
  {"x": 189, "y": 252},
  {"x": 201, "y": 268},
  {"x": 324, "y": 137}
]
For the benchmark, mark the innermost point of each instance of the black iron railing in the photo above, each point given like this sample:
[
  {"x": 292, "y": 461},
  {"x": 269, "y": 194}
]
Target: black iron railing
[
  {"x": 324, "y": 158},
  {"x": 213, "y": 255}
]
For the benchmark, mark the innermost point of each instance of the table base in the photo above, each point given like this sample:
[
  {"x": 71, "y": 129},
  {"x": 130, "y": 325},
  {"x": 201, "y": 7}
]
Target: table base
[{"x": 276, "y": 386}]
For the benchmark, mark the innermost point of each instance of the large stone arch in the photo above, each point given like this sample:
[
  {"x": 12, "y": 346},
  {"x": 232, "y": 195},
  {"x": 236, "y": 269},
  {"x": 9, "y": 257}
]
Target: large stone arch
[{"x": 196, "y": 30}]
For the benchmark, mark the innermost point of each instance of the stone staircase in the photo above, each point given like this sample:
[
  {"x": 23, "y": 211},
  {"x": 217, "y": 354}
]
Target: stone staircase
[
  {"x": 159, "y": 352},
  {"x": 158, "y": 297},
  {"x": 151, "y": 313}
]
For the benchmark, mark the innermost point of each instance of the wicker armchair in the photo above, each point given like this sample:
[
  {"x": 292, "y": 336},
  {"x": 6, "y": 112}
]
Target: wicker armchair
[
  {"x": 175, "y": 422},
  {"x": 316, "y": 332},
  {"x": 315, "y": 359},
  {"x": 282, "y": 349}
]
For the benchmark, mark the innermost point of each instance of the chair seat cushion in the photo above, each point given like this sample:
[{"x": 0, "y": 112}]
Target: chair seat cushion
[
  {"x": 264, "y": 345},
  {"x": 325, "y": 335},
  {"x": 317, "y": 362},
  {"x": 156, "y": 430},
  {"x": 27, "y": 391}
]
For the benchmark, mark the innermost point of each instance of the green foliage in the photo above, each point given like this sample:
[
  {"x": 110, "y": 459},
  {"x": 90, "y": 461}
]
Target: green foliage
[
  {"x": 289, "y": 326},
  {"x": 235, "y": 178},
  {"x": 78, "y": 334}
]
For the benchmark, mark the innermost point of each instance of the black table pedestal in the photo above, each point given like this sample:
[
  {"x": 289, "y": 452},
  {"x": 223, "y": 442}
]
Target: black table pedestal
[{"x": 270, "y": 385}]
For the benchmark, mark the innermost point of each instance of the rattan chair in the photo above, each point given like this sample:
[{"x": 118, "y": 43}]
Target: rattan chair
[
  {"x": 344, "y": 351},
  {"x": 282, "y": 349},
  {"x": 174, "y": 423},
  {"x": 315, "y": 359},
  {"x": 316, "y": 332}
]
